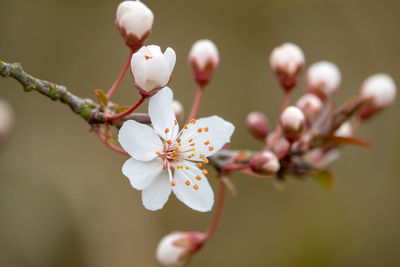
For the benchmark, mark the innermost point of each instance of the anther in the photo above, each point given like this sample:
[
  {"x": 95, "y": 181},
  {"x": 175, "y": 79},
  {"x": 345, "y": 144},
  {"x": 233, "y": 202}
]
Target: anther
[
  {"x": 176, "y": 122},
  {"x": 205, "y": 172},
  {"x": 158, "y": 152},
  {"x": 211, "y": 148},
  {"x": 185, "y": 127},
  {"x": 171, "y": 167},
  {"x": 201, "y": 156},
  {"x": 190, "y": 140},
  {"x": 196, "y": 187},
  {"x": 165, "y": 165},
  {"x": 175, "y": 158},
  {"x": 187, "y": 168},
  {"x": 199, "y": 165},
  {"x": 198, "y": 177},
  {"x": 205, "y": 161},
  {"x": 147, "y": 57},
  {"x": 207, "y": 143},
  {"x": 192, "y": 144},
  {"x": 200, "y": 130},
  {"x": 173, "y": 183},
  {"x": 193, "y": 121},
  {"x": 206, "y": 129},
  {"x": 178, "y": 140},
  {"x": 193, "y": 149},
  {"x": 169, "y": 142},
  {"x": 166, "y": 130},
  {"x": 187, "y": 182}
]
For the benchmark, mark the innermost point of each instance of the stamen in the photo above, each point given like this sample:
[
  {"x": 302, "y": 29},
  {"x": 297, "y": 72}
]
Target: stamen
[
  {"x": 211, "y": 148},
  {"x": 193, "y": 121},
  {"x": 193, "y": 149},
  {"x": 179, "y": 167},
  {"x": 206, "y": 129},
  {"x": 207, "y": 143},
  {"x": 205, "y": 172},
  {"x": 171, "y": 167},
  {"x": 165, "y": 165},
  {"x": 200, "y": 130},
  {"x": 147, "y": 57},
  {"x": 185, "y": 127},
  {"x": 166, "y": 130},
  {"x": 201, "y": 156},
  {"x": 176, "y": 122},
  {"x": 173, "y": 183},
  {"x": 198, "y": 177},
  {"x": 187, "y": 182},
  {"x": 169, "y": 142},
  {"x": 190, "y": 140},
  {"x": 158, "y": 152},
  {"x": 178, "y": 140},
  {"x": 187, "y": 168},
  {"x": 206, "y": 161},
  {"x": 175, "y": 158},
  {"x": 192, "y": 144},
  {"x": 199, "y": 165},
  {"x": 196, "y": 187}
]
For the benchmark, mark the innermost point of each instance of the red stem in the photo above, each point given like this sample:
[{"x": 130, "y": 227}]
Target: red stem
[
  {"x": 218, "y": 210},
  {"x": 104, "y": 140},
  {"x": 127, "y": 112},
  {"x": 196, "y": 103},
  {"x": 120, "y": 77}
]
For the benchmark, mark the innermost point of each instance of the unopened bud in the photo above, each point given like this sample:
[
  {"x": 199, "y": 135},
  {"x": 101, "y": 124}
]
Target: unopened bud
[
  {"x": 286, "y": 61},
  {"x": 151, "y": 69},
  {"x": 257, "y": 124},
  {"x": 345, "y": 130},
  {"x": 134, "y": 21},
  {"x": 6, "y": 120},
  {"x": 292, "y": 122},
  {"x": 178, "y": 110},
  {"x": 310, "y": 105},
  {"x": 265, "y": 162},
  {"x": 380, "y": 90},
  {"x": 177, "y": 248},
  {"x": 322, "y": 159},
  {"x": 323, "y": 78},
  {"x": 204, "y": 59}
]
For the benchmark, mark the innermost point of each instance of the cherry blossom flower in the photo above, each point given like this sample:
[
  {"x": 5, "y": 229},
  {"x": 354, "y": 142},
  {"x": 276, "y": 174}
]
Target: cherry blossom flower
[
  {"x": 165, "y": 159},
  {"x": 152, "y": 69},
  {"x": 134, "y": 21}
]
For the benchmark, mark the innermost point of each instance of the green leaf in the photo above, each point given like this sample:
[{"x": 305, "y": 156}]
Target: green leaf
[
  {"x": 121, "y": 109},
  {"x": 103, "y": 101},
  {"x": 325, "y": 179}
]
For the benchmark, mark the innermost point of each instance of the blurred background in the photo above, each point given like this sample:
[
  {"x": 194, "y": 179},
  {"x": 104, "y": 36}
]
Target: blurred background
[{"x": 65, "y": 202}]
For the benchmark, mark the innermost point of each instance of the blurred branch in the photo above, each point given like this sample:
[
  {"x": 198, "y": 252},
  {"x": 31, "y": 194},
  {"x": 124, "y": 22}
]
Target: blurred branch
[{"x": 87, "y": 109}]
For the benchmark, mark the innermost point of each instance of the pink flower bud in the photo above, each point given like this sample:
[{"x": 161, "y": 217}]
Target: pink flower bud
[
  {"x": 177, "y": 248},
  {"x": 292, "y": 122},
  {"x": 151, "y": 69},
  {"x": 323, "y": 78},
  {"x": 286, "y": 61},
  {"x": 204, "y": 59},
  {"x": 265, "y": 162},
  {"x": 134, "y": 21},
  {"x": 257, "y": 124},
  {"x": 6, "y": 120},
  {"x": 381, "y": 90},
  {"x": 178, "y": 110},
  {"x": 345, "y": 130},
  {"x": 310, "y": 105}
]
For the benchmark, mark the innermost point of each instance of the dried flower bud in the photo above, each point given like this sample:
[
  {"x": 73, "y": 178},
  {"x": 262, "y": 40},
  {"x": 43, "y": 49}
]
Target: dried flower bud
[
  {"x": 177, "y": 248},
  {"x": 310, "y": 105},
  {"x": 204, "y": 59},
  {"x": 6, "y": 120},
  {"x": 151, "y": 69},
  {"x": 178, "y": 110},
  {"x": 134, "y": 21},
  {"x": 265, "y": 162},
  {"x": 323, "y": 78},
  {"x": 345, "y": 130},
  {"x": 292, "y": 122},
  {"x": 257, "y": 124},
  {"x": 381, "y": 90},
  {"x": 286, "y": 61}
]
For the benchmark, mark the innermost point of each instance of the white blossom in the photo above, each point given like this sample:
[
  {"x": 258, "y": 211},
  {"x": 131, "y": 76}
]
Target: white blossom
[
  {"x": 381, "y": 89},
  {"x": 324, "y": 77},
  {"x": 204, "y": 53},
  {"x": 287, "y": 59},
  {"x": 164, "y": 158},
  {"x": 292, "y": 118},
  {"x": 135, "y": 18},
  {"x": 152, "y": 69}
]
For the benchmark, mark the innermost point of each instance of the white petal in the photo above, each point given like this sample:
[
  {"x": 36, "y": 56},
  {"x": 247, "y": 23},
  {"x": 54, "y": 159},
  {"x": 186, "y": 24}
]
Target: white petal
[
  {"x": 215, "y": 133},
  {"x": 142, "y": 173},
  {"x": 170, "y": 57},
  {"x": 154, "y": 50},
  {"x": 162, "y": 115},
  {"x": 156, "y": 195},
  {"x": 139, "y": 140},
  {"x": 201, "y": 199},
  {"x": 157, "y": 73}
]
